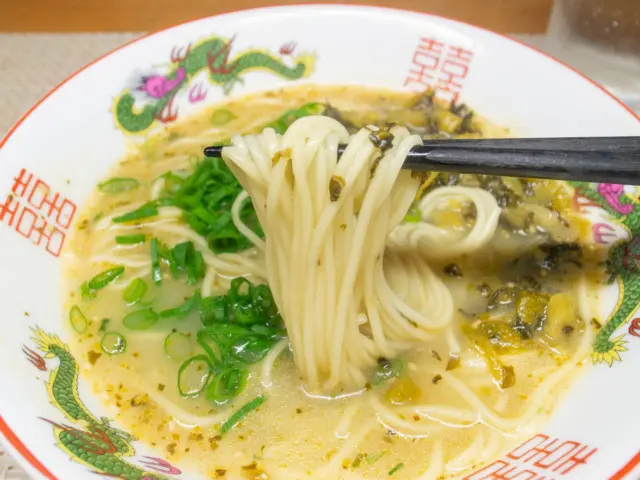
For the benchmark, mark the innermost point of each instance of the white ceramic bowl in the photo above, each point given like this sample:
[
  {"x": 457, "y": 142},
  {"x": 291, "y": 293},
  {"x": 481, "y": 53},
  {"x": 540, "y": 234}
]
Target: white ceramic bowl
[{"x": 52, "y": 158}]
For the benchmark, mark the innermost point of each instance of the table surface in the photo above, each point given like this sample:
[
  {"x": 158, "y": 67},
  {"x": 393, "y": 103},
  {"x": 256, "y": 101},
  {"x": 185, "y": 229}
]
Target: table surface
[{"x": 513, "y": 16}]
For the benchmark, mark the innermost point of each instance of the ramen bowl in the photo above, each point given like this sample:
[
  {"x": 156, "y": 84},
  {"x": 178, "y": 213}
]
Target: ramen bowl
[{"x": 53, "y": 421}]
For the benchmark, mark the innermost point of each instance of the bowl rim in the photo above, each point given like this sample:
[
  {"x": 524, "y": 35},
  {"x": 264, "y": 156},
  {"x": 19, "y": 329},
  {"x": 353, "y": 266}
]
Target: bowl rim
[{"x": 8, "y": 438}]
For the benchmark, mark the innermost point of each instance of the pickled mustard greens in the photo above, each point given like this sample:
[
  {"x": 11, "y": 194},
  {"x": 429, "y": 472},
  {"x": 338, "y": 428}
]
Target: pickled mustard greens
[{"x": 459, "y": 342}]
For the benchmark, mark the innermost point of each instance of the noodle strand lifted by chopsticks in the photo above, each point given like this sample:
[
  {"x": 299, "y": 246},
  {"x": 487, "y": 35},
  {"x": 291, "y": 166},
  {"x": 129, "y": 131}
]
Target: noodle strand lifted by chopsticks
[{"x": 326, "y": 224}]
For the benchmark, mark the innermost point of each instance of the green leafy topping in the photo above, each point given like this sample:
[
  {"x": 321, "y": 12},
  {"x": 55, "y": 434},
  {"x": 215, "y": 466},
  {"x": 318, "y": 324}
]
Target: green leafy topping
[
  {"x": 387, "y": 369},
  {"x": 237, "y": 417},
  {"x": 104, "y": 324},
  {"x": 134, "y": 291},
  {"x": 193, "y": 375},
  {"x": 145, "y": 211},
  {"x": 181, "y": 311},
  {"x": 373, "y": 457},
  {"x": 399, "y": 466},
  {"x": 414, "y": 215},
  {"x": 188, "y": 260},
  {"x": 118, "y": 185},
  {"x": 177, "y": 345},
  {"x": 113, "y": 343},
  {"x": 183, "y": 259},
  {"x": 156, "y": 273},
  {"x": 140, "y": 319},
  {"x": 77, "y": 319},
  {"x": 89, "y": 289},
  {"x": 222, "y": 117},
  {"x": 227, "y": 384},
  {"x": 131, "y": 239},
  {"x": 239, "y": 329},
  {"x": 206, "y": 197},
  {"x": 245, "y": 304}
]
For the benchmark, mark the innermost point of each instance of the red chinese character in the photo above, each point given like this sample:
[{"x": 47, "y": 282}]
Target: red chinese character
[
  {"x": 9, "y": 209},
  {"x": 460, "y": 53},
  {"x": 34, "y": 227},
  {"x": 574, "y": 460},
  {"x": 426, "y": 59},
  {"x": 501, "y": 470},
  {"x": 41, "y": 196},
  {"x": 453, "y": 71},
  {"x": 55, "y": 240},
  {"x": 21, "y": 184},
  {"x": 38, "y": 196}
]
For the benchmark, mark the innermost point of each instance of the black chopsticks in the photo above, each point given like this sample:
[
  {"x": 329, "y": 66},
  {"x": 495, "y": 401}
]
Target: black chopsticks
[{"x": 589, "y": 159}]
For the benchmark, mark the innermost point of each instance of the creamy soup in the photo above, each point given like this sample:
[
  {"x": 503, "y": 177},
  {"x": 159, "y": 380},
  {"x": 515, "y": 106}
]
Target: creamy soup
[{"x": 180, "y": 335}]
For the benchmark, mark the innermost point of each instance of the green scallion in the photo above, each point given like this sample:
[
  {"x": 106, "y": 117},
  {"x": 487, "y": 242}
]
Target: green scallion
[
  {"x": 237, "y": 417},
  {"x": 134, "y": 239},
  {"x": 118, "y": 185},
  {"x": 414, "y": 215},
  {"x": 140, "y": 319},
  {"x": 222, "y": 116},
  {"x": 89, "y": 289},
  {"x": 177, "y": 345},
  {"x": 145, "y": 211},
  {"x": 193, "y": 375},
  {"x": 190, "y": 305},
  {"x": 113, "y": 343},
  {"x": 227, "y": 385},
  {"x": 104, "y": 323},
  {"x": 156, "y": 273},
  {"x": 373, "y": 457},
  {"x": 134, "y": 291},
  {"x": 387, "y": 369},
  {"x": 77, "y": 319},
  {"x": 399, "y": 466}
]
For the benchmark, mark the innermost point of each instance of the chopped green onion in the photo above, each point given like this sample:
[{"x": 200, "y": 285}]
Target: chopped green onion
[
  {"x": 414, "y": 215},
  {"x": 399, "y": 466},
  {"x": 387, "y": 369},
  {"x": 131, "y": 239},
  {"x": 192, "y": 303},
  {"x": 209, "y": 345},
  {"x": 113, "y": 343},
  {"x": 187, "y": 259},
  {"x": 77, "y": 319},
  {"x": 104, "y": 324},
  {"x": 193, "y": 375},
  {"x": 140, "y": 319},
  {"x": 227, "y": 385},
  {"x": 145, "y": 211},
  {"x": 118, "y": 185},
  {"x": 134, "y": 291},
  {"x": 177, "y": 345},
  {"x": 373, "y": 457},
  {"x": 357, "y": 461},
  {"x": 156, "y": 273},
  {"x": 251, "y": 349},
  {"x": 222, "y": 116},
  {"x": 234, "y": 419},
  {"x": 89, "y": 289},
  {"x": 206, "y": 198},
  {"x": 213, "y": 310}
]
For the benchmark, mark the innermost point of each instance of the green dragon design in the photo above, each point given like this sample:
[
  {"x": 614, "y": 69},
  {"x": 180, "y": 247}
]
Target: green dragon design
[
  {"x": 623, "y": 262},
  {"x": 211, "y": 54},
  {"x": 94, "y": 442}
]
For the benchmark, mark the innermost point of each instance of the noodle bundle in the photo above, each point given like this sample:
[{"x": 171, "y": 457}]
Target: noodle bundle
[{"x": 326, "y": 224}]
